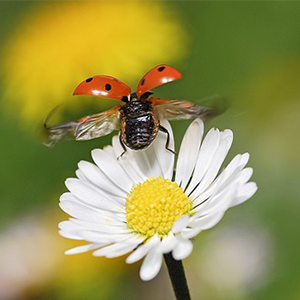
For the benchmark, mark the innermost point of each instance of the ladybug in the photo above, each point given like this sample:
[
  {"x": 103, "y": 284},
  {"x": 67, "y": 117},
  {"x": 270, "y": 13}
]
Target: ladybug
[{"x": 138, "y": 118}]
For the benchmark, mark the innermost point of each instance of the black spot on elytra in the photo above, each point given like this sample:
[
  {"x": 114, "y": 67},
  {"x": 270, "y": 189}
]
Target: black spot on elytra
[
  {"x": 160, "y": 69},
  {"x": 108, "y": 87},
  {"x": 89, "y": 79},
  {"x": 143, "y": 81},
  {"x": 124, "y": 99}
]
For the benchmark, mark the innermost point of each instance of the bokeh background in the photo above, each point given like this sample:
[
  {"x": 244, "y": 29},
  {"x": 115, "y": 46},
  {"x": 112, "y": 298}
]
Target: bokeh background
[{"x": 248, "y": 52}]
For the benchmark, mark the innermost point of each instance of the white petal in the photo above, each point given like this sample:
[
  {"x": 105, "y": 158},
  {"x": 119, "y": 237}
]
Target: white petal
[
  {"x": 216, "y": 163},
  {"x": 151, "y": 265},
  {"x": 101, "y": 237},
  {"x": 81, "y": 175},
  {"x": 84, "y": 248},
  {"x": 189, "y": 233},
  {"x": 220, "y": 202},
  {"x": 126, "y": 162},
  {"x": 112, "y": 169},
  {"x": 80, "y": 211},
  {"x": 122, "y": 250},
  {"x": 188, "y": 153},
  {"x": 142, "y": 250},
  {"x": 201, "y": 224},
  {"x": 206, "y": 154},
  {"x": 207, "y": 221},
  {"x": 110, "y": 151},
  {"x": 165, "y": 157},
  {"x": 119, "y": 248},
  {"x": 148, "y": 162},
  {"x": 245, "y": 175},
  {"x": 130, "y": 159},
  {"x": 142, "y": 163},
  {"x": 118, "y": 149},
  {"x": 238, "y": 178},
  {"x": 156, "y": 160},
  {"x": 83, "y": 212},
  {"x": 233, "y": 168},
  {"x": 228, "y": 176},
  {"x": 244, "y": 193},
  {"x": 180, "y": 224},
  {"x": 167, "y": 244},
  {"x": 70, "y": 235},
  {"x": 107, "y": 215},
  {"x": 89, "y": 195},
  {"x": 108, "y": 226},
  {"x": 76, "y": 227},
  {"x": 97, "y": 177},
  {"x": 183, "y": 249}
]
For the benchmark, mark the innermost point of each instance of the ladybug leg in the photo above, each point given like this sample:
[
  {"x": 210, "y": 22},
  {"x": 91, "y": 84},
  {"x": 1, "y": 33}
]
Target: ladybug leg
[
  {"x": 163, "y": 129},
  {"x": 123, "y": 146}
]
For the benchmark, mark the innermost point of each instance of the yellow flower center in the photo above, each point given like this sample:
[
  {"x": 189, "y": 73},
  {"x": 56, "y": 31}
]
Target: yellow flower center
[{"x": 154, "y": 205}]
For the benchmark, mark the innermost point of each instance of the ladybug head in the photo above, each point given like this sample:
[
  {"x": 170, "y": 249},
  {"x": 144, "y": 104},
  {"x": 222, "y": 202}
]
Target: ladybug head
[
  {"x": 133, "y": 97},
  {"x": 145, "y": 96}
]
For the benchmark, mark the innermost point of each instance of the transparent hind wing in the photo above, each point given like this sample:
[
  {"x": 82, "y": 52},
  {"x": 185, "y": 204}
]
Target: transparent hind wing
[
  {"x": 86, "y": 128},
  {"x": 182, "y": 110},
  {"x": 98, "y": 125}
]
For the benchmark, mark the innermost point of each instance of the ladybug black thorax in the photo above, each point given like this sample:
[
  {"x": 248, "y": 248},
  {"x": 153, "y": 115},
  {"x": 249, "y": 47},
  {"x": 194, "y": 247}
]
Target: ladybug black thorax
[
  {"x": 136, "y": 107},
  {"x": 139, "y": 123}
]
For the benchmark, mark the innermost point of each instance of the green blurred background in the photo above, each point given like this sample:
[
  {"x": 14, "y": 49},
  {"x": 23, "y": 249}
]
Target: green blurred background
[{"x": 246, "y": 51}]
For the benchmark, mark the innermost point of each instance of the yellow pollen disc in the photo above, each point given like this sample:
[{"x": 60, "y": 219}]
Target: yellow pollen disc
[{"x": 154, "y": 205}]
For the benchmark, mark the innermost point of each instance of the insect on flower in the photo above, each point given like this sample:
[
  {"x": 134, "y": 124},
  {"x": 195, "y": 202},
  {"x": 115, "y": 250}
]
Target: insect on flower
[{"x": 138, "y": 119}]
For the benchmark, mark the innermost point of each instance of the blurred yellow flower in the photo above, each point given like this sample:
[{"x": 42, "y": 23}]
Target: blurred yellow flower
[{"x": 61, "y": 43}]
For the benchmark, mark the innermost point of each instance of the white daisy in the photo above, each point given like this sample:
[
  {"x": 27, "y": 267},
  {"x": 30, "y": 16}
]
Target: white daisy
[{"x": 137, "y": 205}]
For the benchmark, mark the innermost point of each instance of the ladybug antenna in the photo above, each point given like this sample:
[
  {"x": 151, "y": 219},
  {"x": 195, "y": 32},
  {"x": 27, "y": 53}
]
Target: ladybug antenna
[
  {"x": 133, "y": 96},
  {"x": 146, "y": 95}
]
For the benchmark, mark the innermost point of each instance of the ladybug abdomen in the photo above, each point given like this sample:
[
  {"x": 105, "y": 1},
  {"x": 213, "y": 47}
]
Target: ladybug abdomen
[{"x": 139, "y": 132}]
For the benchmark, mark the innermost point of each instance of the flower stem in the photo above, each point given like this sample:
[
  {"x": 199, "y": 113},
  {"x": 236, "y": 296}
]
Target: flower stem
[{"x": 177, "y": 276}]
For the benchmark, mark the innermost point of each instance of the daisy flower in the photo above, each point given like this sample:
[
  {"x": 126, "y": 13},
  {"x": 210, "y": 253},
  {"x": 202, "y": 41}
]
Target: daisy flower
[{"x": 137, "y": 204}]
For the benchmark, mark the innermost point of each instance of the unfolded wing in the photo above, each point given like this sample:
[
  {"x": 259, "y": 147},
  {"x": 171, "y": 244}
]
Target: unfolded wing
[
  {"x": 180, "y": 110},
  {"x": 86, "y": 128}
]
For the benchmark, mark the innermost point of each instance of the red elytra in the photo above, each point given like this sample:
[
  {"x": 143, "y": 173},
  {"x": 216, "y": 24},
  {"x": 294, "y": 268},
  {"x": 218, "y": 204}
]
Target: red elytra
[
  {"x": 104, "y": 87},
  {"x": 110, "y": 87},
  {"x": 159, "y": 75}
]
